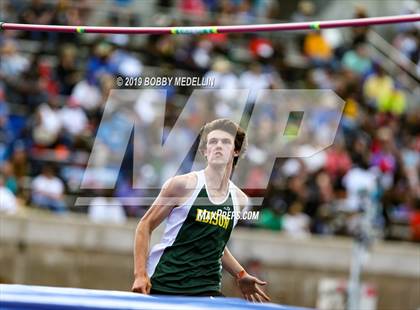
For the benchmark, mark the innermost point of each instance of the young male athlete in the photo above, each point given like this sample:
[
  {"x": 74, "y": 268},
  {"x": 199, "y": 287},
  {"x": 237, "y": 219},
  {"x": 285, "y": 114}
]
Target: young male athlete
[{"x": 189, "y": 258}]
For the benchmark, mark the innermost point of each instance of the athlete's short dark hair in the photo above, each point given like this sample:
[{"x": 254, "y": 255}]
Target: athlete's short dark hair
[{"x": 228, "y": 126}]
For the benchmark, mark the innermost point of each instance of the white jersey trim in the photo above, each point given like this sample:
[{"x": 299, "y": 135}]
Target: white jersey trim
[
  {"x": 236, "y": 207},
  {"x": 173, "y": 224}
]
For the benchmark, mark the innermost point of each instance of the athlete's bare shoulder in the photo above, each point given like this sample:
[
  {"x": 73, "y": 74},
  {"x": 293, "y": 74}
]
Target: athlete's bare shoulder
[{"x": 180, "y": 186}]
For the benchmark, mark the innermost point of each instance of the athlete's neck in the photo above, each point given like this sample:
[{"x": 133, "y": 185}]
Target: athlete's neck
[{"x": 217, "y": 178}]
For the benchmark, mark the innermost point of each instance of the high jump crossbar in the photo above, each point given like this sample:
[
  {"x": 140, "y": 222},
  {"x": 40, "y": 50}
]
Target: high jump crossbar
[{"x": 315, "y": 25}]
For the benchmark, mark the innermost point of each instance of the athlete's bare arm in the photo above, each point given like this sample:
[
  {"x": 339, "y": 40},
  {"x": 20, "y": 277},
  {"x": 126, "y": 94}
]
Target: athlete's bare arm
[
  {"x": 173, "y": 193},
  {"x": 247, "y": 283},
  {"x": 229, "y": 263}
]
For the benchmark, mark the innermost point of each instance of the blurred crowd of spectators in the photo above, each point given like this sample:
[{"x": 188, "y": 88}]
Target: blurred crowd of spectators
[{"x": 53, "y": 92}]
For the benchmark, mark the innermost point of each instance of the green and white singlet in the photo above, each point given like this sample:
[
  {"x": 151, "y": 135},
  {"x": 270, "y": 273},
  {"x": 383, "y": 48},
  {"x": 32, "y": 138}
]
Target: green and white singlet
[{"x": 188, "y": 258}]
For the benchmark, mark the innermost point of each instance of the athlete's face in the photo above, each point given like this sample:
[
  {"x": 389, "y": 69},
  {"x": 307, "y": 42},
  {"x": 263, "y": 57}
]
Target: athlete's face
[{"x": 220, "y": 148}]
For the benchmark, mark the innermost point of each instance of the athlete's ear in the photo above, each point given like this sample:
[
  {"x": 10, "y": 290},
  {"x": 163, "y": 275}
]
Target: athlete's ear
[{"x": 204, "y": 152}]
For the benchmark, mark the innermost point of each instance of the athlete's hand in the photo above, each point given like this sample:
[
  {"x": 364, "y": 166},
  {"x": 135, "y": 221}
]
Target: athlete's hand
[
  {"x": 250, "y": 290},
  {"x": 141, "y": 285}
]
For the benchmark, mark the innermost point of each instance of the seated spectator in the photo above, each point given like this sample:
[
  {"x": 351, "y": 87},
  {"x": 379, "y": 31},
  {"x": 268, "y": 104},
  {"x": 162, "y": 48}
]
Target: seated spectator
[
  {"x": 411, "y": 164},
  {"x": 358, "y": 180},
  {"x": 359, "y": 34},
  {"x": 20, "y": 162},
  {"x": 225, "y": 84},
  {"x": 261, "y": 48},
  {"x": 255, "y": 79},
  {"x": 358, "y": 60},
  {"x": 7, "y": 199},
  {"x": 393, "y": 102},
  {"x": 295, "y": 222},
  {"x": 377, "y": 85},
  {"x": 99, "y": 63},
  {"x": 124, "y": 63},
  {"x": 48, "y": 190},
  {"x": 338, "y": 161},
  {"x": 383, "y": 158},
  {"x": 317, "y": 48},
  {"x": 407, "y": 43},
  {"x": 9, "y": 178},
  {"x": 47, "y": 128},
  {"x": 87, "y": 93},
  {"x": 12, "y": 63},
  {"x": 271, "y": 218},
  {"x": 67, "y": 70},
  {"x": 305, "y": 11},
  {"x": 106, "y": 209},
  {"x": 73, "y": 118}
]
